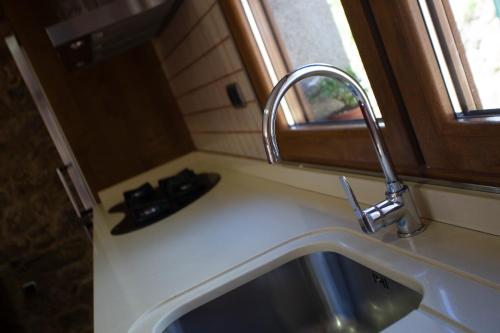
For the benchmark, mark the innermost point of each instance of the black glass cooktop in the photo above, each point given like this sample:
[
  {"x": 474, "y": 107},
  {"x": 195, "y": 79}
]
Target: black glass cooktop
[{"x": 146, "y": 205}]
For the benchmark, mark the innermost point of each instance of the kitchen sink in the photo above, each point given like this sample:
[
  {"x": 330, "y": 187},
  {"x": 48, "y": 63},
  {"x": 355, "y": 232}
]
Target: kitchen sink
[{"x": 320, "y": 292}]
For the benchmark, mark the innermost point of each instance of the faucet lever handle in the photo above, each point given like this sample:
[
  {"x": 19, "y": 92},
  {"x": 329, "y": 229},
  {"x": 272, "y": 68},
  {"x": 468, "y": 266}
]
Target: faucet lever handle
[{"x": 354, "y": 202}]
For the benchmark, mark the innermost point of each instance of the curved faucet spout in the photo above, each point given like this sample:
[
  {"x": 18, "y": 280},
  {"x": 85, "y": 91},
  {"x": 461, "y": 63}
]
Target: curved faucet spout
[
  {"x": 396, "y": 190},
  {"x": 279, "y": 91}
]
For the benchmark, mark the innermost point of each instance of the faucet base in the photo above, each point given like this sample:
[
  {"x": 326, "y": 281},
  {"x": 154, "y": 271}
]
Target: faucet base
[{"x": 413, "y": 233}]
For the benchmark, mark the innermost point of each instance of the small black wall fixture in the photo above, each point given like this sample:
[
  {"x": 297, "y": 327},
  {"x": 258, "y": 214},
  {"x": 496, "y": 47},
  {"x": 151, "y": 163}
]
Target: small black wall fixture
[{"x": 235, "y": 95}]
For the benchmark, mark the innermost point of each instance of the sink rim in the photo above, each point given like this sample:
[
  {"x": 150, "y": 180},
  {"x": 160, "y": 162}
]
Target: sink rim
[
  {"x": 397, "y": 264},
  {"x": 319, "y": 280},
  {"x": 252, "y": 269}
]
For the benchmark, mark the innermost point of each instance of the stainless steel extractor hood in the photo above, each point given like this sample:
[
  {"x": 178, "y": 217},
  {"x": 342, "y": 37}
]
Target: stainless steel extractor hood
[{"x": 109, "y": 29}]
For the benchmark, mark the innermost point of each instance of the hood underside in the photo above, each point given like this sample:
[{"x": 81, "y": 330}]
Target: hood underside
[{"x": 110, "y": 29}]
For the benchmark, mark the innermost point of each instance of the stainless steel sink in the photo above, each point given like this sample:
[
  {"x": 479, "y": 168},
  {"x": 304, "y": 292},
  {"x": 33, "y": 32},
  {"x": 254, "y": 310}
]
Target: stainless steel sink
[{"x": 320, "y": 292}]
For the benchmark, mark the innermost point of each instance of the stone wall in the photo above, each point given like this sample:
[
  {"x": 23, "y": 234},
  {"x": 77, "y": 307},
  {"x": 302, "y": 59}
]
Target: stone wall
[{"x": 41, "y": 240}]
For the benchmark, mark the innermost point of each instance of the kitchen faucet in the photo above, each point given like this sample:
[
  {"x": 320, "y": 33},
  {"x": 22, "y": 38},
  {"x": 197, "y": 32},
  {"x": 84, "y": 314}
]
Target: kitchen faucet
[{"x": 398, "y": 206}]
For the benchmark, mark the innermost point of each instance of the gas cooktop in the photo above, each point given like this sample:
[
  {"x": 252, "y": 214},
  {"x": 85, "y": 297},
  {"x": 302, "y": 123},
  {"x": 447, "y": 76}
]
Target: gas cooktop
[{"x": 146, "y": 205}]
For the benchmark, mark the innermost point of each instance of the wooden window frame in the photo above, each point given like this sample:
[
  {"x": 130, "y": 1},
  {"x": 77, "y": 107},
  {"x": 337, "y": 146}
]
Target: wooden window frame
[
  {"x": 280, "y": 58},
  {"x": 424, "y": 136},
  {"x": 465, "y": 150},
  {"x": 454, "y": 54},
  {"x": 342, "y": 146}
]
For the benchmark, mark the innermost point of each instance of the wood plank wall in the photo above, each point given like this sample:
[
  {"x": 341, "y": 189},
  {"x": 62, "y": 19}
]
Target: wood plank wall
[{"x": 199, "y": 58}]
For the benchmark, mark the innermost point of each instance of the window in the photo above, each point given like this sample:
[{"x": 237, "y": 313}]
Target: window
[
  {"x": 427, "y": 68},
  {"x": 466, "y": 150},
  {"x": 300, "y": 41},
  {"x": 465, "y": 34}
]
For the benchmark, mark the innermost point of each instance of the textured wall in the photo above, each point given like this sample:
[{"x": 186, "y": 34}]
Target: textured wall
[
  {"x": 306, "y": 41},
  {"x": 40, "y": 239},
  {"x": 199, "y": 59}
]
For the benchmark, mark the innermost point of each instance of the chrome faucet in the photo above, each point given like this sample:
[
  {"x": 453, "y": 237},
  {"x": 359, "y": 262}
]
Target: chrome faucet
[{"x": 398, "y": 206}]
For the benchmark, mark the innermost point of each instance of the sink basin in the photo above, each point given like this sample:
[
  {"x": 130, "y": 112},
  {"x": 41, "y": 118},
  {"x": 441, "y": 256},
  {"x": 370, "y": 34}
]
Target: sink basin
[{"x": 320, "y": 292}]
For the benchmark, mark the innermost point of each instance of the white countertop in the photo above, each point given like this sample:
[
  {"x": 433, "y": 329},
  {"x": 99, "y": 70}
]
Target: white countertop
[{"x": 247, "y": 223}]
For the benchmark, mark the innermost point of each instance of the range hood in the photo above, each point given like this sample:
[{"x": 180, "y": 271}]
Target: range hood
[{"x": 109, "y": 29}]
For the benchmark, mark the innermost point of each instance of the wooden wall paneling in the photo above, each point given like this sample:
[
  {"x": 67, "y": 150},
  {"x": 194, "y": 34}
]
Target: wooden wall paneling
[{"x": 119, "y": 115}]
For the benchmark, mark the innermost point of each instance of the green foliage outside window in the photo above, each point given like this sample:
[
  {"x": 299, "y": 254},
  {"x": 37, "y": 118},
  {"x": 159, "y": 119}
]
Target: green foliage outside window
[{"x": 331, "y": 88}]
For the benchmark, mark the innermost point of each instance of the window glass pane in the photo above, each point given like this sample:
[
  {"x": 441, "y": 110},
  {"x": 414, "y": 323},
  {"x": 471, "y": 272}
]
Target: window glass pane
[
  {"x": 464, "y": 35},
  {"x": 478, "y": 22},
  {"x": 317, "y": 31}
]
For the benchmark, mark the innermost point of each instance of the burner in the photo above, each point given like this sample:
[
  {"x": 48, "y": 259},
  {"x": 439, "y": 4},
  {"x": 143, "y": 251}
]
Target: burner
[
  {"x": 140, "y": 195},
  {"x": 151, "y": 210},
  {"x": 181, "y": 188},
  {"x": 146, "y": 205}
]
